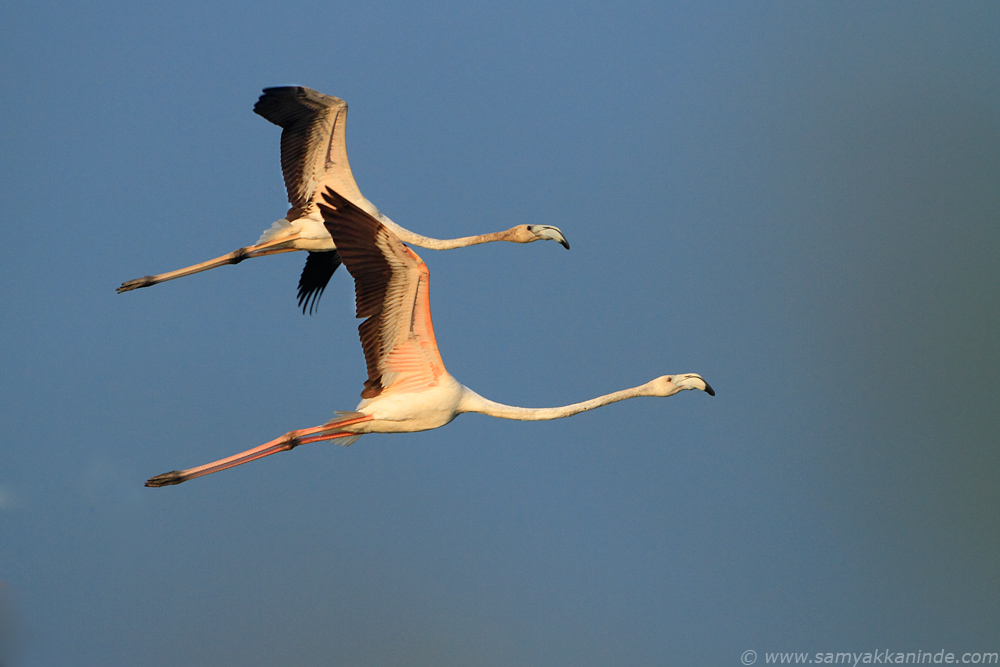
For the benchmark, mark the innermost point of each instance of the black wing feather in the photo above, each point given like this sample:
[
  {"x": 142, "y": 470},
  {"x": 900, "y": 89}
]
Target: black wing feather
[{"x": 316, "y": 274}]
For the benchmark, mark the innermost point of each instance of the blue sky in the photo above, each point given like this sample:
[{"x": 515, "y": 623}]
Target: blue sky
[{"x": 797, "y": 200}]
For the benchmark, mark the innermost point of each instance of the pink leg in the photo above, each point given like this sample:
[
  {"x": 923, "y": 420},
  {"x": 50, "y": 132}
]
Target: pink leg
[
  {"x": 290, "y": 440},
  {"x": 235, "y": 257}
]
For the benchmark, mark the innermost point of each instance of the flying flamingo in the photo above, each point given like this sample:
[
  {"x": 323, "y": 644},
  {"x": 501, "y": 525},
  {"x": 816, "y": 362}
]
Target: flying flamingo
[
  {"x": 408, "y": 388},
  {"x": 314, "y": 156}
]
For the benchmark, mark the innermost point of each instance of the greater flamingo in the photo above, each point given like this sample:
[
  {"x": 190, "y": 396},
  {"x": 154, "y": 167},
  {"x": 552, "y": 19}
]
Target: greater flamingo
[
  {"x": 314, "y": 156},
  {"x": 408, "y": 388}
]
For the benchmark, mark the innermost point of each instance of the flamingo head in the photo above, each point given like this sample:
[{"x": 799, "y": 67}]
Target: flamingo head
[
  {"x": 668, "y": 385},
  {"x": 531, "y": 233}
]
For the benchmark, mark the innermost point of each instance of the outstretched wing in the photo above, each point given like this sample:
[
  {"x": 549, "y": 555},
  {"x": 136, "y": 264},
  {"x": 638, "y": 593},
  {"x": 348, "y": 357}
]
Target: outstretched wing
[
  {"x": 313, "y": 145},
  {"x": 391, "y": 291}
]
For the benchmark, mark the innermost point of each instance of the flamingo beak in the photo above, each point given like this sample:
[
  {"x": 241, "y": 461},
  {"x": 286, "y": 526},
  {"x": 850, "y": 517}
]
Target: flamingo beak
[
  {"x": 549, "y": 233},
  {"x": 694, "y": 381}
]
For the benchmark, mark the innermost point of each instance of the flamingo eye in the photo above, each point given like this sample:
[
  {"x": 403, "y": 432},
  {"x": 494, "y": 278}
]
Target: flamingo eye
[{"x": 529, "y": 228}]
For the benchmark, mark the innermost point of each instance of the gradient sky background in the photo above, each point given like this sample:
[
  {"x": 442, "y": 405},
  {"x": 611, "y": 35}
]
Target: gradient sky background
[{"x": 799, "y": 201}]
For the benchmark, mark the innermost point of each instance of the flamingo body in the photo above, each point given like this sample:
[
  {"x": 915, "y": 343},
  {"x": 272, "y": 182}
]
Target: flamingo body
[{"x": 303, "y": 233}]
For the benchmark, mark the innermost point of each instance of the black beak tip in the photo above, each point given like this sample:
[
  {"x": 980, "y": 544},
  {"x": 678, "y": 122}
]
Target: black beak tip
[{"x": 709, "y": 390}]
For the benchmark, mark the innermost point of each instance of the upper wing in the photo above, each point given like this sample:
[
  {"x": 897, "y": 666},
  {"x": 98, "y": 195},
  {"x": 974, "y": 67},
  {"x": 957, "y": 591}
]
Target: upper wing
[
  {"x": 391, "y": 286},
  {"x": 313, "y": 145}
]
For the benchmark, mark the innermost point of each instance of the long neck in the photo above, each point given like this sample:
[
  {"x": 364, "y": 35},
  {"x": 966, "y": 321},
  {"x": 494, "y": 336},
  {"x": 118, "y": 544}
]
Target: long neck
[
  {"x": 406, "y": 236},
  {"x": 473, "y": 402}
]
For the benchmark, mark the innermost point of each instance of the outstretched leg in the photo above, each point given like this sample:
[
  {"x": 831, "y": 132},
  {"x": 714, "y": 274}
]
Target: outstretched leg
[
  {"x": 290, "y": 440},
  {"x": 234, "y": 257}
]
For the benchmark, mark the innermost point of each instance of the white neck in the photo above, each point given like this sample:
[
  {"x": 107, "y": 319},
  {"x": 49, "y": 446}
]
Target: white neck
[
  {"x": 473, "y": 402},
  {"x": 406, "y": 236}
]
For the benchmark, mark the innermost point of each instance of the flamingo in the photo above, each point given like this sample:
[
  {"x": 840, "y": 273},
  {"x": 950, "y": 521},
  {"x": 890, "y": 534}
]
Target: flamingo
[
  {"x": 408, "y": 388},
  {"x": 314, "y": 156}
]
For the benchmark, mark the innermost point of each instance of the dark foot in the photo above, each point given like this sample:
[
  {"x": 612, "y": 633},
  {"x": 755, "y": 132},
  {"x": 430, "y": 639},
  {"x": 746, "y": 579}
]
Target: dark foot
[
  {"x": 145, "y": 281},
  {"x": 166, "y": 479}
]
